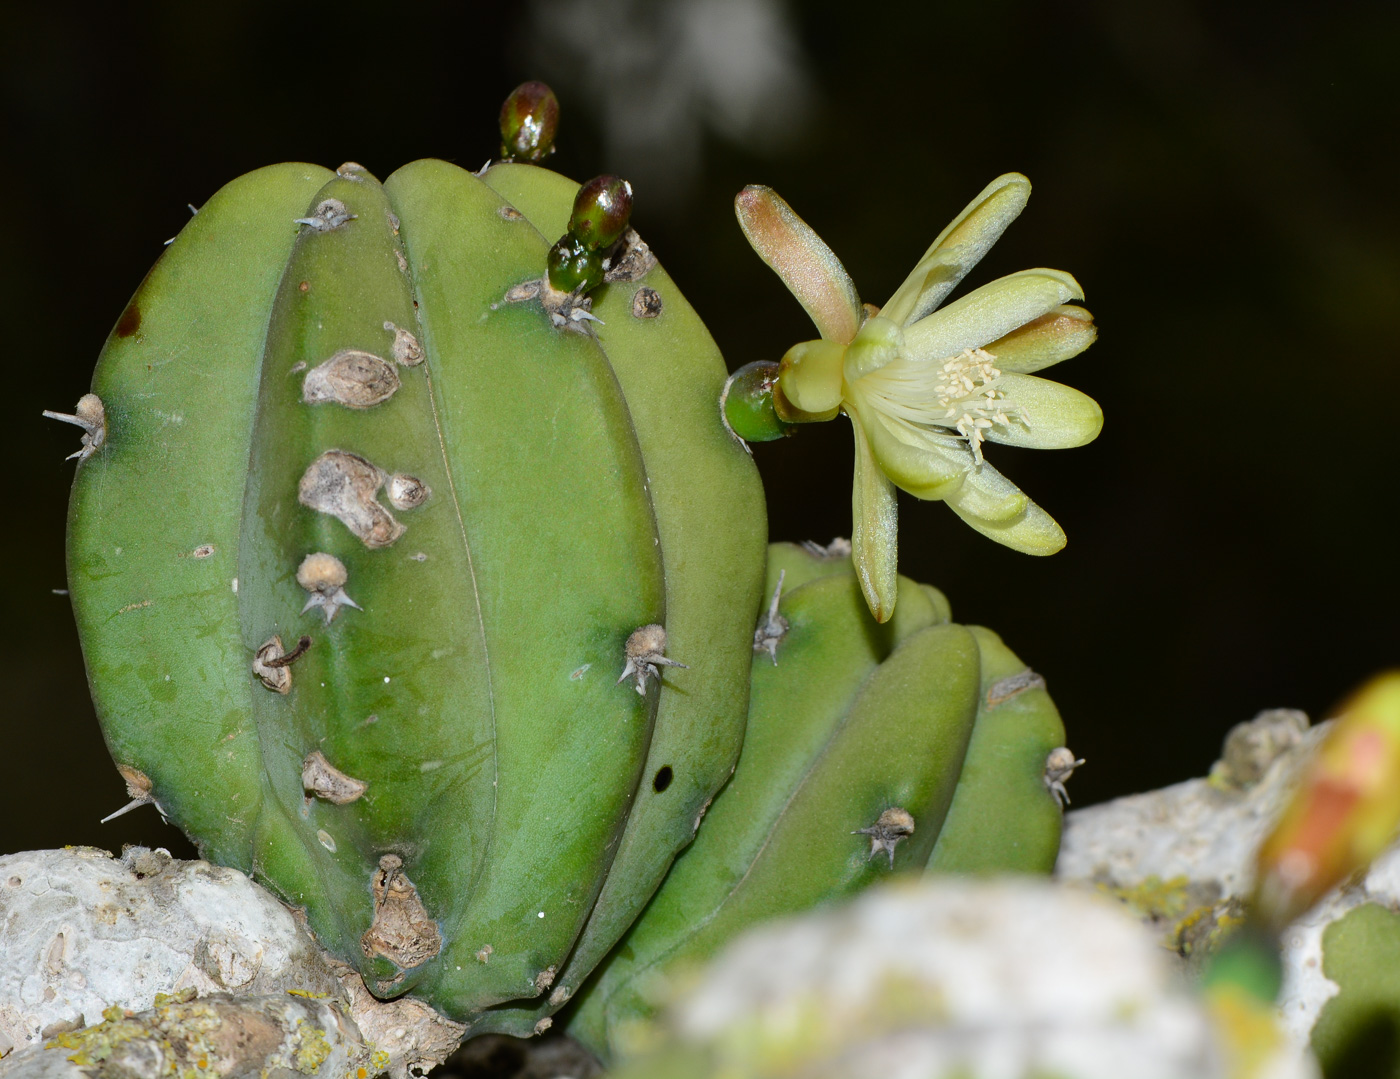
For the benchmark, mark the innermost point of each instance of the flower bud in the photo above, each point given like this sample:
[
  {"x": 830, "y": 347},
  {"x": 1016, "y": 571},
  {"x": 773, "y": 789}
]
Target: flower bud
[
  {"x": 572, "y": 267},
  {"x": 602, "y": 209},
  {"x": 529, "y": 122}
]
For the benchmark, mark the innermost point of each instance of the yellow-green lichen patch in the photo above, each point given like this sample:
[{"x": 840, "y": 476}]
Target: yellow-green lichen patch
[
  {"x": 185, "y": 1038},
  {"x": 310, "y": 1048},
  {"x": 1191, "y": 916},
  {"x": 177, "y": 1033}
]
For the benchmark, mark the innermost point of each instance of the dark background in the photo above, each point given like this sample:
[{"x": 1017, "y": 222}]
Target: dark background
[{"x": 1219, "y": 177}]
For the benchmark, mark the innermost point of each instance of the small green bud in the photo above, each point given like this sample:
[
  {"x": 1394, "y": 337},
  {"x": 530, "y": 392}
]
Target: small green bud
[
  {"x": 529, "y": 122},
  {"x": 602, "y": 209},
  {"x": 572, "y": 267},
  {"x": 747, "y": 403}
]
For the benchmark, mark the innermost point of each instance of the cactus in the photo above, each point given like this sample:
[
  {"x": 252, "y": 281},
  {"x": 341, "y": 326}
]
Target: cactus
[
  {"x": 916, "y": 745},
  {"x": 367, "y": 537},
  {"x": 416, "y": 561}
]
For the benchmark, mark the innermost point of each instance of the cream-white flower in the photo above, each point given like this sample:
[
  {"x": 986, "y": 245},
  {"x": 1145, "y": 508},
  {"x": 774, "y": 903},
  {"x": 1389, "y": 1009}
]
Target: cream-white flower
[{"x": 926, "y": 387}]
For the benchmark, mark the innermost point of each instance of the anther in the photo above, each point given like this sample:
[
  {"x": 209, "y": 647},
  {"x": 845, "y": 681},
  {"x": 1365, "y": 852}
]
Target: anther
[{"x": 969, "y": 392}]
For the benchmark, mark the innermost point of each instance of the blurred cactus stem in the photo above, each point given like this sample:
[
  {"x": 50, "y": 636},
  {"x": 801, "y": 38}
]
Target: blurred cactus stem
[{"x": 529, "y": 122}]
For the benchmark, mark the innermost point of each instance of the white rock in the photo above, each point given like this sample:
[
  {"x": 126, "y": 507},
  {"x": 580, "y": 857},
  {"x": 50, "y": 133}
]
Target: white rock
[
  {"x": 994, "y": 979},
  {"x": 1209, "y": 832},
  {"x": 1202, "y": 831},
  {"x": 83, "y": 931}
]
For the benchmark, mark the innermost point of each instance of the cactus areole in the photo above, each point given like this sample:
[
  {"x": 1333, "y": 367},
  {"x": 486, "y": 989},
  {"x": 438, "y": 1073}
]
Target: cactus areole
[{"x": 370, "y": 523}]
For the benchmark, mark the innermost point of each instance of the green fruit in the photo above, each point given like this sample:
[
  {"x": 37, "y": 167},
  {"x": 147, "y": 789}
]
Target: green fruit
[
  {"x": 574, "y": 267},
  {"x": 342, "y": 430},
  {"x": 871, "y": 749}
]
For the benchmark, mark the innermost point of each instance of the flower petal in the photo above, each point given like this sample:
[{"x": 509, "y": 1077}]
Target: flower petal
[
  {"x": 924, "y": 466},
  {"x": 1060, "y": 418},
  {"x": 959, "y": 248},
  {"x": 1032, "y": 531},
  {"x": 989, "y": 312},
  {"x": 809, "y": 268},
  {"x": 989, "y": 496},
  {"x": 1057, "y": 335},
  {"x": 874, "y": 530}
]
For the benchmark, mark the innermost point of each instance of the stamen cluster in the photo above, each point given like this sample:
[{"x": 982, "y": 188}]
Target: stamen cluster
[{"x": 969, "y": 392}]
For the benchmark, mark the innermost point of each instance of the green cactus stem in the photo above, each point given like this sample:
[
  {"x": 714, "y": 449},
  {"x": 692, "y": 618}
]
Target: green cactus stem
[{"x": 697, "y": 737}]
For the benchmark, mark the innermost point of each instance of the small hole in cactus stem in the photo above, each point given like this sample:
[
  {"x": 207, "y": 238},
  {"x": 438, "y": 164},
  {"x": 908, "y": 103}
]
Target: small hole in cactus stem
[{"x": 662, "y": 780}]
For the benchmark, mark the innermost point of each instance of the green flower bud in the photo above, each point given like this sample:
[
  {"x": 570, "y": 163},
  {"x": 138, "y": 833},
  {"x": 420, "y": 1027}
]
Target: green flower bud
[
  {"x": 747, "y": 403},
  {"x": 602, "y": 209},
  {"x": 529, "y": 122},
  {"x": 572, "y": 267}
]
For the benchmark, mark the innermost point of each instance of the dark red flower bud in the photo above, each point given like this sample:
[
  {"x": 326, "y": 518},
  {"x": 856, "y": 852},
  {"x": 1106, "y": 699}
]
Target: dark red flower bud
[
  {"x": 602, "y": 209},
  {"x": 529, "y": 122}
]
